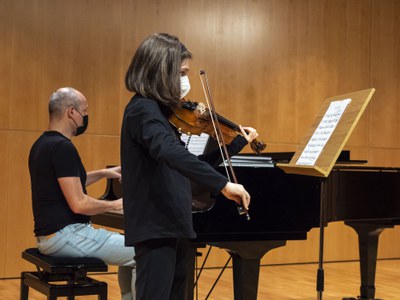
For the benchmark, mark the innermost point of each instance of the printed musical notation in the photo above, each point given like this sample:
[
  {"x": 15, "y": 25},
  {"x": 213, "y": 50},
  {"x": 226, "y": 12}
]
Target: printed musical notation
[
  {"x": 196, "y": 143},
  {"x": 323, "y": 132}
]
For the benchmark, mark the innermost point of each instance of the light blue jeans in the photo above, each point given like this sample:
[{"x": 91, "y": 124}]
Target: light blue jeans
[{"x": 83, "y": 240}]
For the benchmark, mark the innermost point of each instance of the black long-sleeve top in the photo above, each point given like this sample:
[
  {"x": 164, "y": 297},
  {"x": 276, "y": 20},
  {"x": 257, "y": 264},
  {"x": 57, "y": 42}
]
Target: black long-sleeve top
[{"x": 156, "y": 175}]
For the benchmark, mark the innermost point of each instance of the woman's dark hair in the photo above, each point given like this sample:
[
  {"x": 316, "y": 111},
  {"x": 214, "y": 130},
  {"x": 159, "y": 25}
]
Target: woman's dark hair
[{"x": 154, "y": 71}]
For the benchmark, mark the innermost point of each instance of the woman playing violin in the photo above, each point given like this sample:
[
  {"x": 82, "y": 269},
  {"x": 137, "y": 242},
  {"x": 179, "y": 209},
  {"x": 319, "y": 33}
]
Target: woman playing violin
[{"x": 157, "y": 169}]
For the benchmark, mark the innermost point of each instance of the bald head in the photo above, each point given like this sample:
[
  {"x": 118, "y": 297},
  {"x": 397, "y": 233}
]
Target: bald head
[{"x": 62, "y": 99}]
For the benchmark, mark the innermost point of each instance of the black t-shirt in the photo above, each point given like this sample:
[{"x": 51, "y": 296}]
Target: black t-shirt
[{"x": 53, "y": 156}]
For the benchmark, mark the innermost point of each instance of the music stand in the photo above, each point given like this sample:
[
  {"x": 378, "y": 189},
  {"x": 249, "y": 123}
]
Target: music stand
[{"x": 318, "y": 152}]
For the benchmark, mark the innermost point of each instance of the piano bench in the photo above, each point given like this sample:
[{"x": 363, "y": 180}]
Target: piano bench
[{"x": 71, "y": 272}]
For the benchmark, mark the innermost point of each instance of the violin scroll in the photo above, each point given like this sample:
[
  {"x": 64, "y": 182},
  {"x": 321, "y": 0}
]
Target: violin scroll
[{"x": 257, "y": 146}]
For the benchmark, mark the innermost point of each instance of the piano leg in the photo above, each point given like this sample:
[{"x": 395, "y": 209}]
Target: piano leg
[
  {"x": 246, "y": 258},
  {"x": 246, "y": 265},
  {"x": 368, "y": 239},
  {"x": 245, "y": 277}
]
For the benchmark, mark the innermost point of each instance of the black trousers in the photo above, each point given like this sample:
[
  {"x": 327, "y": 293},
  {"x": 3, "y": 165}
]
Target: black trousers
[{"x": 161, "y": 269}]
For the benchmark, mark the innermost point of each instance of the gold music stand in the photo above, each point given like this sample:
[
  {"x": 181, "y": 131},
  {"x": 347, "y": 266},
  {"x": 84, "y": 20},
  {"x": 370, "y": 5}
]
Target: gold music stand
[
  {"x": 321, "y": 147},
  {"x": 338, "y": 138}
]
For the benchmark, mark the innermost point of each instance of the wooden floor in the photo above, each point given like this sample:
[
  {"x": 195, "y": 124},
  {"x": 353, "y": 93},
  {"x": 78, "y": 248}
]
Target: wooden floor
[{"x": 276, "y": 283}]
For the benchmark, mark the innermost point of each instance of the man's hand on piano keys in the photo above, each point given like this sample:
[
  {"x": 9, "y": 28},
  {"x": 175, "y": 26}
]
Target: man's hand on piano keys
[
  {"x": 116, "y": 205},
  {"x": 236, "y": 192},
  {"x": 113, "y": 172}
]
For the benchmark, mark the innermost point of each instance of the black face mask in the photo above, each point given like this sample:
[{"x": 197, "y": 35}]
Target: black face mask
[{"x": 81, "y": 129}]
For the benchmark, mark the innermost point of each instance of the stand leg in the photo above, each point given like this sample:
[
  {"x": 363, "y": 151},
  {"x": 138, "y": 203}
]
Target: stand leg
[{"x": 322, "y": 222}]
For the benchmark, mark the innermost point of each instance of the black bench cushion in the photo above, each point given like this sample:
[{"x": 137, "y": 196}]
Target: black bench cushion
[{"x": 51, "y": 263}]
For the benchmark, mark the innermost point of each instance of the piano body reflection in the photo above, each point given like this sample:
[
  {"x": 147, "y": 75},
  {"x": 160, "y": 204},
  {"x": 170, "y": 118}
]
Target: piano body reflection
[{"x": 287, "y": 206}]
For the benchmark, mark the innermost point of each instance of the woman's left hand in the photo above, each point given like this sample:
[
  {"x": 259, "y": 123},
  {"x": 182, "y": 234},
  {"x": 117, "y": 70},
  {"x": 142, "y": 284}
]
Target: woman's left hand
[{"x": 248, "y": 133}]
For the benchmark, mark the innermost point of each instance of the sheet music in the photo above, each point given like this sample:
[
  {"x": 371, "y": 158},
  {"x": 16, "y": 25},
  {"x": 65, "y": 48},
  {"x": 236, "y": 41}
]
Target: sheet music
[
  {"x": 251, "y": 161},
  {"x": 323, "y": 132},
  {"x": 197, "y": 143}
]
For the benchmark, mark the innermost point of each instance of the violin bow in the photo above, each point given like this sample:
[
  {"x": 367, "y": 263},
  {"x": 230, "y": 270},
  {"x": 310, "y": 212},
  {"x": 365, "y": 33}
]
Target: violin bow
[{"x": 220, "y": 138}]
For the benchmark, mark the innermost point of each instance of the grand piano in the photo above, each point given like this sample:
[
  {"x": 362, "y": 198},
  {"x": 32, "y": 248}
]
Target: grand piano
[{"x": 286, "y": 207}]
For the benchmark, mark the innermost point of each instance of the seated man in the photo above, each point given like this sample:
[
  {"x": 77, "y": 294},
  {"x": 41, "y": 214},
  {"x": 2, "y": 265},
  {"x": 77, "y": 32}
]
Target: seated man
[{"x": 61, "y": 207}]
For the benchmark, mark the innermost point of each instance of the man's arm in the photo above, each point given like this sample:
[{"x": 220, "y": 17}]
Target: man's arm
[
  {"x": 95, "y": 176},
  {"x": 80, "y": 203}
]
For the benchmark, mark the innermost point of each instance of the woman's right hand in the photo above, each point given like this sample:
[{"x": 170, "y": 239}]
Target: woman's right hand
[{"x": 236, "y": 192}]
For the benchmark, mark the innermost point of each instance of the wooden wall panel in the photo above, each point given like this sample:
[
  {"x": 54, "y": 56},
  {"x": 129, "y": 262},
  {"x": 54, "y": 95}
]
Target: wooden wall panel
[
  {"x": 24, "y": 74},
  {"x": 307, "y": 251},
  {"x": 100, "y": 78},
  {"x": 19, "y": 219},
  {"x": 385, "y": 74},
  {"x": 389, "y": 243},
  {"x": 6, "y": 63},
  {"x": 3, "y": 199},
  {"x": 384, "y": 157},
  {"x": 359, "y": 153}
]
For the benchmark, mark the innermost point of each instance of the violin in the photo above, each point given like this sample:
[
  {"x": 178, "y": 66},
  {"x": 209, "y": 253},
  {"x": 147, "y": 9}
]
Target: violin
[{"x": 194, "y": 118}]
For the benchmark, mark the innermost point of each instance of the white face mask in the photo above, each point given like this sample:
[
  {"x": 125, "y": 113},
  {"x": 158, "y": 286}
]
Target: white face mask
[{"x": 185, "y": 86}]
